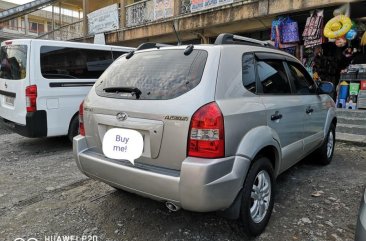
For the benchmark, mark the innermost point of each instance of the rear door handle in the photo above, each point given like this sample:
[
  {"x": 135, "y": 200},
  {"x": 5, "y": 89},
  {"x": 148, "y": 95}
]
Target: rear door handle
[
  {"x": 276, "y": 116},
  {"x": 309, "y": 110}
]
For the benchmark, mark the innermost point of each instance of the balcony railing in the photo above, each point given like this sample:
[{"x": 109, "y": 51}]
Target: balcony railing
[
  {"x": 20, "y": 30},
  {"x": 186, "y": 5},
  {"x": 139, "y": 13},
  {"x": 149, "y": 10},
  {"x": 66, "y": 32}
]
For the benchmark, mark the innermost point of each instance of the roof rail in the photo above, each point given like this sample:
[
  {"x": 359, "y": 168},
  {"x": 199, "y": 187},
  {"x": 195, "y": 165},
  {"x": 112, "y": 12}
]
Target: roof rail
[
  {"x": 150, "y": 45},
  {"x": 227, "y": 38}
]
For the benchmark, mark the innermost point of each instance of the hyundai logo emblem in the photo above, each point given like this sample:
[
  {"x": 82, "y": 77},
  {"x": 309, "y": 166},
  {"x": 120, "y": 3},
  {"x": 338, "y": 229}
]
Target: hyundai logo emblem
[{"x": 122, "y": 116}]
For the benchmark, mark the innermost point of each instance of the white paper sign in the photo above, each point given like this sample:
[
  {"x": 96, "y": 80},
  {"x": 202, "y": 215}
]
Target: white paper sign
[
  {"x": 103, "y": 20},
  {"x": 123, "y": 144},
  {"x": 99, "y": 38}
]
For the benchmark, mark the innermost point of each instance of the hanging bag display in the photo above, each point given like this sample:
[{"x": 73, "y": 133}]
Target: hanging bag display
[
  {"x": 289, "y": 31},
  {"x": 276, "y": 24},
  {"x": 313, "y": 29}
]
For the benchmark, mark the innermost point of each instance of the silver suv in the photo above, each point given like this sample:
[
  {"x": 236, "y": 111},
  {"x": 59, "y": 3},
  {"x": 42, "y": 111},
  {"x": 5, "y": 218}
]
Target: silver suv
[{"x": 210, "y": 126}]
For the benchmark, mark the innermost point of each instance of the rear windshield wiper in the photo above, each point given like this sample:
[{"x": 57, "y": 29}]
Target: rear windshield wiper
[{"x": 133, "y": 90}]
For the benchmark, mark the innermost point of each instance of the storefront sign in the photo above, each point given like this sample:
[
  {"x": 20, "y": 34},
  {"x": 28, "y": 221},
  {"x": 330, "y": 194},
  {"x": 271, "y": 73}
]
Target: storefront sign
[
  {"x": 104, "y": 19},
  {"x": 199, "y": 5},
  {"x": 163, "y": 9}
]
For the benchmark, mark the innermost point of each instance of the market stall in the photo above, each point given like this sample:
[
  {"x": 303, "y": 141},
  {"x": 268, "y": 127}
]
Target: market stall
[{"x": 332, "y": 48}]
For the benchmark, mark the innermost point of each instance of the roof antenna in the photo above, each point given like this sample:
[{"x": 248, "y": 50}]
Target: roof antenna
[{"x": 175, "y": 22}]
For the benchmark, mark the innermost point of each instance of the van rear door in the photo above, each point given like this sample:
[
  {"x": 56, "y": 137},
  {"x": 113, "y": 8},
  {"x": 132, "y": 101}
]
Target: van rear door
[{"x": 14, "y": 79}]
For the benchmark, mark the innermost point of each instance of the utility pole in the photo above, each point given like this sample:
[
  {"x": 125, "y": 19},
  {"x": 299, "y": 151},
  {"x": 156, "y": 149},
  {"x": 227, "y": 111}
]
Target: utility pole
[{"x": 85, "y": 18}]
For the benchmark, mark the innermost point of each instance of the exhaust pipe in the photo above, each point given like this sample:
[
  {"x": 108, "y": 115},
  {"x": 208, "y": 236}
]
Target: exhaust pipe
[{"x": 172, "y": 207}]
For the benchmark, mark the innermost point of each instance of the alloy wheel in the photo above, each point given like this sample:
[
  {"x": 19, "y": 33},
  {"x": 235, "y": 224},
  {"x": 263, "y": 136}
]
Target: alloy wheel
[
  {"x": 260, "y": 196},
  {"x": 330, "y": 144}
]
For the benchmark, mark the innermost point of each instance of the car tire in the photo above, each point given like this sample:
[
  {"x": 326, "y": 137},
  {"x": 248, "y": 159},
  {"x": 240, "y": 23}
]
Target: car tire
[
  {"x": 73, "y": 128},
  {"x": 258, "y": 194},
  {"x": 324, "y": 154}
]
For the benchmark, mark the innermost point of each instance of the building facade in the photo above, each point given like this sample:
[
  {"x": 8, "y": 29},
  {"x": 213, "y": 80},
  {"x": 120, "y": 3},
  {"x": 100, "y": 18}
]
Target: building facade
[
  {"x": 198, "y": 21},
  {"x": 138, "y": 21},
  {"x": 37, "y": 24}
]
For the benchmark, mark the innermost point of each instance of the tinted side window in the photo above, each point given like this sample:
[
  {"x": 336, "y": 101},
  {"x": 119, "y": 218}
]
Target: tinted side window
[
  {"x": 116, "y": 54},
  {"x": 248, "y": 72},
  {"x": 304, "y": 85},
  {"x": 73, "y": 63},
  {"x": 273, "y": 78}
]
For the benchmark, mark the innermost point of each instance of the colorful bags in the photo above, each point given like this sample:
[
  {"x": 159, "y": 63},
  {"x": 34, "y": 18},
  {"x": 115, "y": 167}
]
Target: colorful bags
[
  {"x": 284, "y": 32},
  {"x": 277, "y": 23},
  {"x": 290, "y": 32},
  {"x": 313, "y": 32}
]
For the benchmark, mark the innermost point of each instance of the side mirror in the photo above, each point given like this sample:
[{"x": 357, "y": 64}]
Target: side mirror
[{"x": 325, "y": 88}]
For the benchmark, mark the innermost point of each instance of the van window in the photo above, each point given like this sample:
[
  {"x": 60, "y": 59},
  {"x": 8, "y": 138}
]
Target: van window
[
  {"x": 159, "y": 75},
  {"x": 73, "y": 63},
  {"x": 13, "y": 62},
  {"x": 116, "y": 54}
]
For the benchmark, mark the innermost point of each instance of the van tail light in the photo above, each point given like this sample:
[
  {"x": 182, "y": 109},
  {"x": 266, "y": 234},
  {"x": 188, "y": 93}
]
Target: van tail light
[
  {"x": 31, "y": 98},
  {"x": 206, "y": 133},
  {"x": 81, "y": 119}
]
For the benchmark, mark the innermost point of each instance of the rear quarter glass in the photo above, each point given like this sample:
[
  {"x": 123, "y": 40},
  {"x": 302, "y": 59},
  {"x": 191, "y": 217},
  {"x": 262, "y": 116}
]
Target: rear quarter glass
[
  {"x": 159, "y": 75},
  {"x": 13, "y": 62}
]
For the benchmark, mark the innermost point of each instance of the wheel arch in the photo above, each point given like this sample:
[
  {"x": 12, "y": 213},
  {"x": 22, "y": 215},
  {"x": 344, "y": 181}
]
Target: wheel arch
[
  {"x": 261, "y": 141},
  {"x": 331, "y": 119},
  {"x": 72, "y": 118},
  {"x": 271, "y": 153},
  {"x": 334, "y": 121}
]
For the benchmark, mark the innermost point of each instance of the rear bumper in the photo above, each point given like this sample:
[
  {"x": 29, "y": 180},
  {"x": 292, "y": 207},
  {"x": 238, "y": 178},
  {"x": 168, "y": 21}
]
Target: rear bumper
[
  {"x": 36, "y": 125},
  {"x": 361, "y": 221},
  {"x": 201, "y": 185}
]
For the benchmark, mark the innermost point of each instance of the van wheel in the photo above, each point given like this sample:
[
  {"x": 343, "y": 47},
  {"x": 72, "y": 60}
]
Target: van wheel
[
  {"x": 258, "y": 197},
  {"x": 74, "y": 128},
  {"x": 325, "y": 153}
]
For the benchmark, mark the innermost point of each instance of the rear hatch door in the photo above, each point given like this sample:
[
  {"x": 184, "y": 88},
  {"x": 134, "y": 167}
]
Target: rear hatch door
[
  {"x": 157, "y": 92},
  {"x": 14, "y": 78}
]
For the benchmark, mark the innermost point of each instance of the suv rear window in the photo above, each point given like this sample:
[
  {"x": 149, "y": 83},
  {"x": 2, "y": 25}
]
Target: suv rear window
[
  {"x": 13, "y": 60},
  {"x": 159, "y": 75}
]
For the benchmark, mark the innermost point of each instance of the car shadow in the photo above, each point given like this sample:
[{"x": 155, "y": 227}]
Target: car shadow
[
  {"x": 36, "y": 146},
  {"x": 159, "y": 223}
]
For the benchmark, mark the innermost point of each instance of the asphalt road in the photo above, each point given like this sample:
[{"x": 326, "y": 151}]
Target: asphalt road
[{"x": 44, "y": 196}]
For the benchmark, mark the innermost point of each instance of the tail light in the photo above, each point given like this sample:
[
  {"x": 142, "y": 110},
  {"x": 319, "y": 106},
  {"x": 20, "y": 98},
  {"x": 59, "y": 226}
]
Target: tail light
[
  {"x": 206, "y": 133},
  {"x": 31, "y": 98},
  {"x": 81, "y": 119}
]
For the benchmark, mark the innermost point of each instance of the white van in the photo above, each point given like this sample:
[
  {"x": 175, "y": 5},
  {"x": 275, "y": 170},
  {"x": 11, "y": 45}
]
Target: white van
[{"x": 43, "y": 82}]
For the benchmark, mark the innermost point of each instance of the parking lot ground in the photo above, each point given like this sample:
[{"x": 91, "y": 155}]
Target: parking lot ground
[{"x": 43, "y": 194}]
